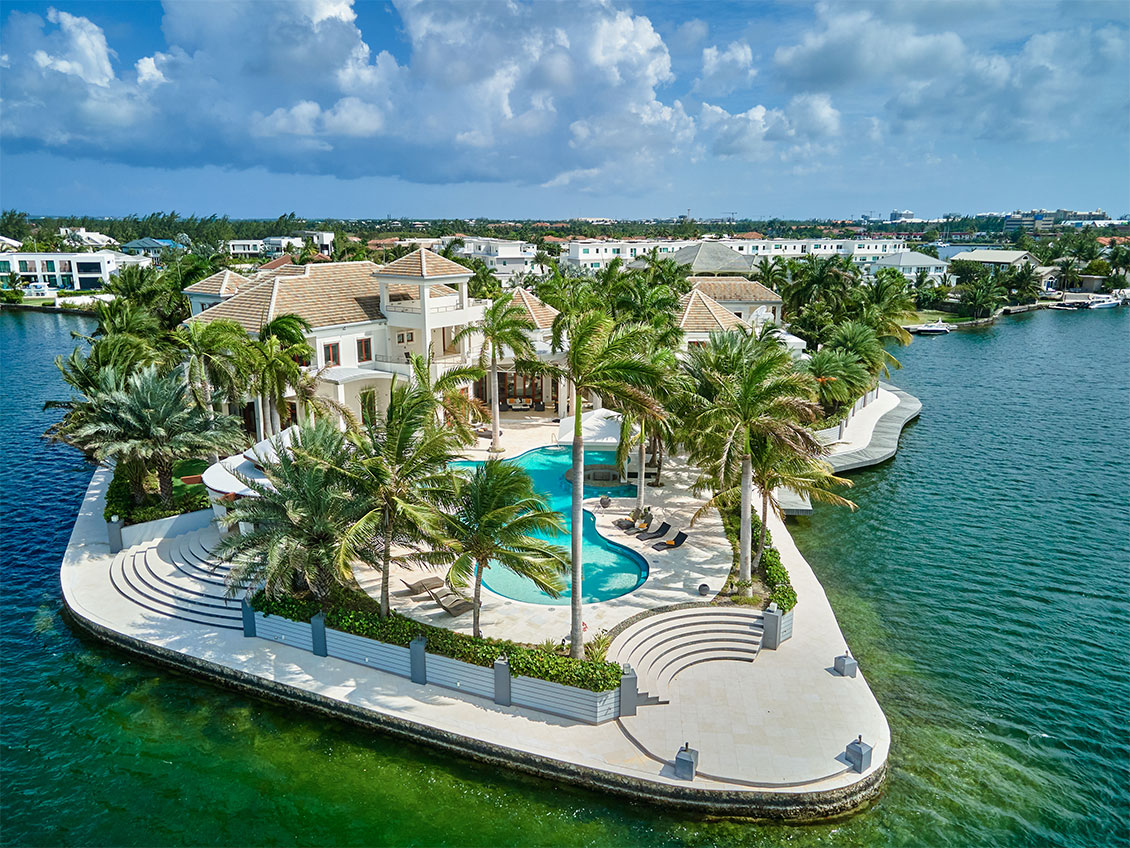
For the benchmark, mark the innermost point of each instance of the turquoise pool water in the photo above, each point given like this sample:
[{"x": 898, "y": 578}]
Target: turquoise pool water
[{"x": 611, "y": 570}]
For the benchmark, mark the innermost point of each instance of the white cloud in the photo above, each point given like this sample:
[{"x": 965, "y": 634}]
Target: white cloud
[
  {"x": 79, "y": 47},
  {"x": 806, "y": 125},
  {"x": 147, "y": 71},
  {"x": 724, "y": 71}
]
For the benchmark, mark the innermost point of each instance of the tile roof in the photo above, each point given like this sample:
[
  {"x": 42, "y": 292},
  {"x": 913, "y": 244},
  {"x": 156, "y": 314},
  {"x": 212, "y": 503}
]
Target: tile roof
[
  {"x": 541, "y": 313},
  {"x": 736, "y": 289},
  {"x": 223, "y": 283},
  {"x": 277, "y": 262},
  {"x": 750, "y": 235},
  {"x": 325, "y": 294},
  {"x": 699, "y": 313},
  {"x": 712, "y": 258},
  {"x": 998, "y": 256},
  {"x": 909, "y": 259},
  {"x": 423, "y": 264}
]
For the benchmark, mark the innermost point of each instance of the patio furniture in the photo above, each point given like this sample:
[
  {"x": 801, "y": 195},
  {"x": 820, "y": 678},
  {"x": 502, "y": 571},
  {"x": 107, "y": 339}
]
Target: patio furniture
[
  {"x": 641, "y": 526},
  {"x": 629, "y": 522},
  {"x": 539, "y": 406},
  {"x": 663, "y": 530},
  {"x": 605, "y": 501},
  {"x": 421, "y": 586},
  {"x": 451, "y": 603},
  {"x": 519, "y": 406},
  {"x": 671, "y": 544}
]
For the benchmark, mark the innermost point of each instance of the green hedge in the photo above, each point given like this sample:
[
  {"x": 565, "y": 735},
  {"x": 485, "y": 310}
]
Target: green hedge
[
  {"x": 357, "y": 613},
  {"x": 777, "y": 580},
  {"x": 119, "y": 502}
]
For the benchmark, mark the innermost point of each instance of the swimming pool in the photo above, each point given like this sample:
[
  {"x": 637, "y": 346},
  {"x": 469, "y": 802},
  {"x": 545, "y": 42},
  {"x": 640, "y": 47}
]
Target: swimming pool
[{"x": 611, "y": 570}]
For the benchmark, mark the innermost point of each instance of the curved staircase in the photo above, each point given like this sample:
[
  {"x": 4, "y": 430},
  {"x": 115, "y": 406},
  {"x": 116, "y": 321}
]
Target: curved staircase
[
  {"x": 178, "y": 577},
  {"x": 660, "y": 646}
]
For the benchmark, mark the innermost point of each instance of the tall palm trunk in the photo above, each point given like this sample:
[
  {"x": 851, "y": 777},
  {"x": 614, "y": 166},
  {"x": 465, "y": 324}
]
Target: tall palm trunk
[
  {"x": 745, "y": 572},
  {"x": 386, "y": 561},
  {"x": 480, "y": 567},
  {"x": 276, "y": 421},
  {"x": 206, "y": 395},
  {"x": 641, "y": 489},
  {"x": 495, "y": 447},
  {"x": 164, "y": 467},
  {"x": 764, "y": 531},
  {"x": 576, "y": 634}
]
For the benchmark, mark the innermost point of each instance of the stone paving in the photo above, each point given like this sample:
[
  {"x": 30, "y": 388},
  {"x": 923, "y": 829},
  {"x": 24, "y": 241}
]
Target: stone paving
[{"x": 774, "y": 723}]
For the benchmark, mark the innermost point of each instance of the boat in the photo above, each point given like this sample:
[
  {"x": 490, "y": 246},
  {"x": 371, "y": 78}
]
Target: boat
[
  {"x": 934, "y": 328},
  {"x": 1102, "y": 301},
  {"x": 1069, "y": 307}
]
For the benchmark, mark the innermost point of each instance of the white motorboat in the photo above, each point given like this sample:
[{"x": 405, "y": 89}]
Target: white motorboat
[
  {"x": 1102, "y": 301},
  {"x": 934, "y": 328}
]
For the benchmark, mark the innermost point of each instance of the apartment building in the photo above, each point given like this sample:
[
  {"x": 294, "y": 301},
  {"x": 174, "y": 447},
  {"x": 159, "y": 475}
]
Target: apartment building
[
  {"x": 910, "y": 263},
  {"x": 507, "y": 258},
  {"x": 272, "y": 245},
  {"x": 68, "y": 270},
  {"x": 595, "y": 254}
]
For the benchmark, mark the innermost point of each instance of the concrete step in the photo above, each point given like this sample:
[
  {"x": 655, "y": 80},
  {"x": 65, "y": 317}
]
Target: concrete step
[
  {"x": 126, "y": 582},
  {"x": 179, "y": 584}
]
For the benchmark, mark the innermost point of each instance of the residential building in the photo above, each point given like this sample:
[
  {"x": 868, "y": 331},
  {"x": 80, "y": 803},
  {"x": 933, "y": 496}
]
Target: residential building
[
  {"x": 274, "y": 245},
  {"x": 82, "y": 237},
  {"x": 903, "y": 215},
  {"x": 68, "y": 270},
  {"x": 1034, "y": 220},
  {"x": 506, "y": 257},
  {"x": 9, "y": 244},
  {"x": 151, "y": 247},
  {"x": 997, "y": 258},
  {"x": 271, "y": 245},
  {"x": 366, "y": 320},
  {"x": 246, "y": 248},
  {"x": 700, "y": 315},
  {"x": 323, "y": 241},
  {"x": 910, "y": 263},
  {"x": 749, "y": 300}
]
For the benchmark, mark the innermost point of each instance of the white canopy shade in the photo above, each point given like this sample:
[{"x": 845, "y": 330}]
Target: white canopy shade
[
  {"x": 600, "y": 428},
  {"x": 268, "y": 449},
  {"x": 221, "y": 476}
]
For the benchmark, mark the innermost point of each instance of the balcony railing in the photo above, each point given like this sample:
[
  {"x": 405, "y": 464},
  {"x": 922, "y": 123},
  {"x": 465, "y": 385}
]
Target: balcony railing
[{"x": 414, "y": 306}]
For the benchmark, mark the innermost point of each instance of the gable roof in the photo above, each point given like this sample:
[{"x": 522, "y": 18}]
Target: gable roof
[
  {"x": 700, "y": 313},
  {"x": 540, "y": 313},
  {"x": 277, "y": 262},
  {"x": 910, "y": 259},
  {"x": 734, "y": 289},
  {"x": 324, "y": 294},
  {"x": 223, "y": 283},
  {"x": 711, "y": 257},
  {"x": 423, "y": 264},
  {"x": 995, "y": 256}
]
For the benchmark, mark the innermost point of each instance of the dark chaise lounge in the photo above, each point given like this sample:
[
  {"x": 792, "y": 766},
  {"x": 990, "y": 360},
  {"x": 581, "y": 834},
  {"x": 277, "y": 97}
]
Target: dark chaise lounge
[
  {"x": 663, "y": 530},
  {"x": 421, "y": 586},
  {"x": 680, "y": 537},
  {"x": 641, "y": 526},
  {"x": 452, "y": 604}
]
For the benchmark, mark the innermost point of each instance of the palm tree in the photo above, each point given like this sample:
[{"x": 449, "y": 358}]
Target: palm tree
[
  {"x": 150, "y": 419},
  {"x": 828, "y": 278},
  {"x": 840, "y": 376},
  {"x": 216, "y": 357},
  {"x": 982, "y": 296},
  {"x": 503, "y": 327},
  {"x": 484, "y": 283},
  {"x": 761, "y": 407},
  {"x": 277, "y": 355},
  {"x": 775, "y": 469},
  {"x": 495, "y": 518},
  {"x": 771, "y": 273},
  {"x": 611, "y": 361},
  {"x": 398, "y": 472},
  {"x": 862, "y": 341},
  {"x": 298, "y": 520},
  {"x": 1069, "y": 277},
  {"x": 1024, "y": 283},
  {"x": 455, "y": 405},
  {"x": 885, "y": 304}
]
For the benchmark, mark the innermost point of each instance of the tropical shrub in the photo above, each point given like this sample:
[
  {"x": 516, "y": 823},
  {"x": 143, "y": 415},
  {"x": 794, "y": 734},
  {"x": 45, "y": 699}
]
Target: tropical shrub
[
  {"x": 11, "y": 296},
  {"x": 355, "y": 612}
]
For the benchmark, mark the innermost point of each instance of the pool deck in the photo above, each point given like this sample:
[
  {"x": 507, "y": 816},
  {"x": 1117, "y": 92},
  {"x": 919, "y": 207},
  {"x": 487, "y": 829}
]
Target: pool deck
[{"x": 771, "y": 733}]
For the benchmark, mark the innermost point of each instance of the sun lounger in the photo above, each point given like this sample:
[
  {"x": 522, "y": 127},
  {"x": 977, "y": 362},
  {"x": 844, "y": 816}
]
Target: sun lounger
[
  {"x": 680, "y": 537},
  {"x": 629, "y": 522},
  {"x": 421, "y": 586},
  {"x": 641, "y": 526},
  {"x": 452, "y": 604},
  {"x": 663, "y": 530}
]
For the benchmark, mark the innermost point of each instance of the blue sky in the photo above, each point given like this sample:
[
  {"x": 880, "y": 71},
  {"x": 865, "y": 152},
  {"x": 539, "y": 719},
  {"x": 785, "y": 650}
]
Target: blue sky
[{"x": 415, "y": 108}]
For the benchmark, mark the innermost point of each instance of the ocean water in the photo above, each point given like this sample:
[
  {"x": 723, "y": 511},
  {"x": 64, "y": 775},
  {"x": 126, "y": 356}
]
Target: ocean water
[
  {"x": 982, "y": 584},
  {"x": 610, "y": 569}
]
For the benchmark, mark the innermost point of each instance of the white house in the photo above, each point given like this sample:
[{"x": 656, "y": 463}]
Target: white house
[
  {"x": 82, "y": 237},
  {"x": 323, "y": 241},
  {"x": 9, "y": 244},
  {"x": 910, "y": 263},
  {"x": 69, "y": 270},
  {"x": 997, "y": 258},
  {"x": 506, "y": 257},
  {"x": 246, "y": 247},
  {"x": 747, "y": 299},
  {"x": 365, "y": 320}
]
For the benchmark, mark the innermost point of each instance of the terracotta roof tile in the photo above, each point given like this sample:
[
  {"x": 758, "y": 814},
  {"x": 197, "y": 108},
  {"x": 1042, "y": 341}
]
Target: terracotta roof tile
[
  {"x": 423, "y": 263},
  {"x": 223, "y": 283},
  {"x": 699, "y": 313},
  {"x": 736, "y": 289},
  {"x": 277, "y": 262},
  {"x": 541, "y": 313}
]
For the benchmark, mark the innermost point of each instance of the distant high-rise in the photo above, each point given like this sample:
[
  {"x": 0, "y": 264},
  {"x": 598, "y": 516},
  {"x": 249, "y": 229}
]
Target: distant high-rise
[{"x": 904, "y": 215}]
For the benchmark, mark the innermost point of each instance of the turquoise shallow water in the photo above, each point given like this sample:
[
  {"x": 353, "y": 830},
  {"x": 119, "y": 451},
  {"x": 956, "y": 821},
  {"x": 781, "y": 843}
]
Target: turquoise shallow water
[
  {"x": 610, "y": 570},
  {"x": 983, "y": 584}
]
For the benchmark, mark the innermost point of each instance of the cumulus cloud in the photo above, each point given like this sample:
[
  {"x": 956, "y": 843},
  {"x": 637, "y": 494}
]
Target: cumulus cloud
[
  {"x": 724, "y": 71},
  {"x": 808, "y": 123}
]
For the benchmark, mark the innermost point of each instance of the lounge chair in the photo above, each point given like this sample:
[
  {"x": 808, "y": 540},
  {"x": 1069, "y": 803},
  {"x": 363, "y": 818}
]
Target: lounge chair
[
  {"x": 641, "y": 526},
  {"x": 663, "y": 530},
  {"x": 629, "y": 522},
  {"x": 680, "y": 537},
  {"x": 421, "y": 586},
  {"x": 452, "y": 604}
]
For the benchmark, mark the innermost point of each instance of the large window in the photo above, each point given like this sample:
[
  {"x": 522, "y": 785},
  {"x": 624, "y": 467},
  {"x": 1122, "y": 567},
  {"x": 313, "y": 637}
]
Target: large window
[
  {"x": 89, "y": 267},
  {"x": 5, "y": 267},
  {"x": 364, "y": 350},
  {"x": 332, "y": 354}
]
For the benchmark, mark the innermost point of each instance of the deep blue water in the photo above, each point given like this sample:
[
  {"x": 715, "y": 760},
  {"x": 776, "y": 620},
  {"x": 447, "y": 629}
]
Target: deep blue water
[{"x": 982, "y": 584}]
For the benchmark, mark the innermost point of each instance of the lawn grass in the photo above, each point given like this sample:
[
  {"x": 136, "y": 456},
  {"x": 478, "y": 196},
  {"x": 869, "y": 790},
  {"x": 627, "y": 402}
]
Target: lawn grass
[
  {"x": 186, "y": 468},
  {"x": 926, "y": 316}
]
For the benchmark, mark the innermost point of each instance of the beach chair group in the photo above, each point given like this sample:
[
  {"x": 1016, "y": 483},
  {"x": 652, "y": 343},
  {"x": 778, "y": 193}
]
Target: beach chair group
[
  {"x": 436, "y": 589},
  {"x": 640, "y": 526}
]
